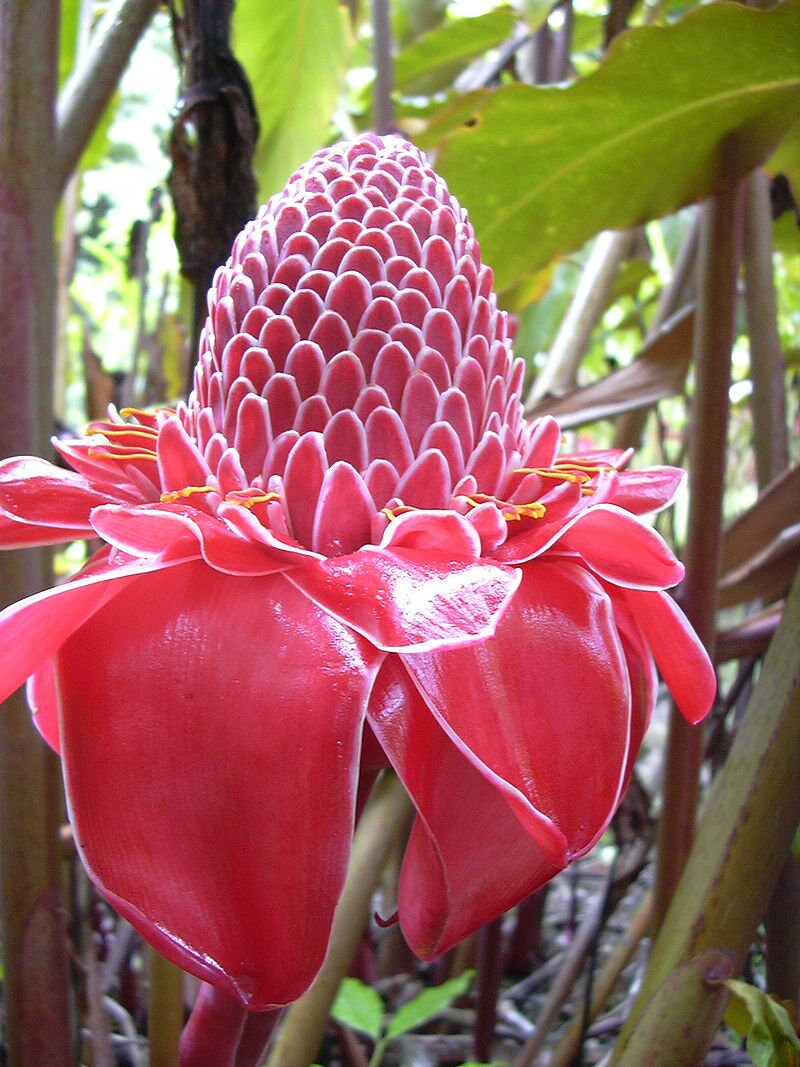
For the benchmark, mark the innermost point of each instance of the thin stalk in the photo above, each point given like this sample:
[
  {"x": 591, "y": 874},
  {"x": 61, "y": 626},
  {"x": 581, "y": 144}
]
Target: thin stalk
[
  {"x": 749, "y": 822},
  {"x": 382, "y": 823},
  {"x": 36, "y": 995},
  {"x": 588, "y": 304},
  {"x": 768, "y": 402},
  {"x": 713, "y": 342},
  {"x": 94, "y": 80},
  {"x": 489, "y": 966},
  {"x": 383, "y": 108},
  {"x": 605, "y": 981},
  {"x": 675, "y": 296},
  {"x": 165, "y": 1011}
]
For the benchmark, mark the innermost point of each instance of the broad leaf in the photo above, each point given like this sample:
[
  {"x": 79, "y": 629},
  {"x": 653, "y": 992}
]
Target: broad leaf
[
  {"x": 295, "y": 55},
  {"x": 432, "y": 62},
  {"x": 668, "y": 113},
  {"x": 358, "y": 1005},
  {"x": 427, "y": 1004}
]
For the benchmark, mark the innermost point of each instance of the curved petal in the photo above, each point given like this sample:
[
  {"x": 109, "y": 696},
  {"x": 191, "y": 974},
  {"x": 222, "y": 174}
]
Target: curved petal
[
  {"x": 648, "y": 490},
  {"x": 681, "y": 659},
  {"x": 32, "y": 630},
  {"x": 211, "y": 727},
  {"x": 41, "y": 693},
  {"x": 41, "y": 504},
  {"x": 468, "y": 858},
  {"x": 621, "y": 549},
  {"x": 404, "y": 598},
  {"x": 542, "y": 708},
  {"x": 163, "y": 531},
  {"x": 433, "y": 531}
]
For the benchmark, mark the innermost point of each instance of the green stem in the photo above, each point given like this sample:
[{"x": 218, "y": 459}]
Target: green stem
[
  {"x": 382, "y": 822},
  {"x": 713, "y": 342},
  {"x": 164, "y": 1011},
  {"x": 750, "y": 820},
  {"x": 95, "y": 79}
]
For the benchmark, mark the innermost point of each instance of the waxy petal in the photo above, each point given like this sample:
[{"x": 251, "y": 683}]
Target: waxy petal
[
  {"x": 468, "y": 858},
  {"x": 160, "y": 531},
  {"x": 408, "y": 599},
  {"x": 622, "y": 550},
  {"x": 682, "y": 660},
  {"x": 205, "y": 800},
  {"x": 41, "y": 504},
  {"x": 547, "y": 693},
  {"x": 32, "y": 630}
]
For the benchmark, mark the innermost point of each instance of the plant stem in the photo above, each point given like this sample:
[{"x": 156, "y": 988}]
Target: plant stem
[
  {"x": 752, "y": 814},
  {"x": 94, "y": 80},
  {"x": 713, "y": 342},
  {"x": 36, "y": 996},
  {"x": 382, "y": 109},
  {"x": 588, "y": 304},
  {"x": 770, "y": 440},
  {"x": 383, "y": 821},
  {"x": 164, "y": 1011}
]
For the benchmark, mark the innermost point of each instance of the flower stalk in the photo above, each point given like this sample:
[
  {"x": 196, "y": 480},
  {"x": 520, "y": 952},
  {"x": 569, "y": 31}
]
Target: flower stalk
[{"x": 380, "y": 828}]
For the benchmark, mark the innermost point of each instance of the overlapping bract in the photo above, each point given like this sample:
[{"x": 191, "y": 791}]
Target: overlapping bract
[{"x": 346, "y": 549}]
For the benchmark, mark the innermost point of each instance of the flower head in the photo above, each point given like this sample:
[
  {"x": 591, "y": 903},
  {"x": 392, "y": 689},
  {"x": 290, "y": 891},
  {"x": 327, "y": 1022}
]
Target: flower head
[{"x": 347, "y": 549}]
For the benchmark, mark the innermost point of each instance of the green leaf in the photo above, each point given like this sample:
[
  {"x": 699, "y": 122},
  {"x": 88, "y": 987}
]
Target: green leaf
[
  {"x": 427, "y": 1004},
  {"x": 295, "y": 55},
  {"x": 765, "y": 1023},
  {"x": 669, "y": 112},
  {"x": 434, "y": 61},
  {"x": 358, "y": 1005}
]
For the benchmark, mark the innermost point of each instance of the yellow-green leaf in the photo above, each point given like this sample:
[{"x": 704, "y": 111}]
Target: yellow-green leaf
[{"x": 669, "y": 112}]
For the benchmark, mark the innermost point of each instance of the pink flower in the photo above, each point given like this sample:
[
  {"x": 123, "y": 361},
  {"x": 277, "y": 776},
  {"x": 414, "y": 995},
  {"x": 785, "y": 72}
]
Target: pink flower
[{"x": 346, "y": 548}]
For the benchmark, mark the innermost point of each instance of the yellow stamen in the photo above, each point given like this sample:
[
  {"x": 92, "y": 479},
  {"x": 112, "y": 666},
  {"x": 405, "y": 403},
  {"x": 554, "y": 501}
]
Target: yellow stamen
[
  {"x": 248, "y": 498},
  {"x": 145, "y": 432},
  {"x": 99, "y": 453},
  {"x": 189, "y": 490}
]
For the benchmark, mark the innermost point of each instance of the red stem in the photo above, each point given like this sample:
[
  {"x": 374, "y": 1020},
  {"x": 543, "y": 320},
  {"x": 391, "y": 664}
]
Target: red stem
[{"x": 720, "y": 240}]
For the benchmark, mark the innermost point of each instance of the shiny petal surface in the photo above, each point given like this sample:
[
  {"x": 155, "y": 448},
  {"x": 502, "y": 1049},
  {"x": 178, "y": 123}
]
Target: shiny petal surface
[
  {"x": 156, "y": 530},
  {"x": 683, "y": 662},
  {"x": 211, "y": 775},
  {"x": 41, "y": 504},
  {"x": 32, "y": 630},
  {"x": 622, "y": 550},
  {"x": 468, "y": 858},
  {"x": 404, "y": 598},
  {"x": 533, "y": 705}
]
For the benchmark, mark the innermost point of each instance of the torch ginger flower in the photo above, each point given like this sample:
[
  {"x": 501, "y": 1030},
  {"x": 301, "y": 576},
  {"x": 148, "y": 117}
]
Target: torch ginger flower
[{"x": 346, "y": 549}]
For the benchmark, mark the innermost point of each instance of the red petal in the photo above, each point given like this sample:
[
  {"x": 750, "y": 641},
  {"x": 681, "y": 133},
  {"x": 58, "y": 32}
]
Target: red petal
[
  {"x": 542, "y": 708},
  {"x": 621, "y": 549},
  {"x": 211, "y": 727},
  {"x": 468, "y": 859},
  {"x": 41, "y": 504},
  {"x": 158, "y": 530},
  {"x": 42, "y": 697},
  {"x": 405, "y": 599},
  {"x": 648, "y": 490},
  {"x": 32, "y": 630},
  {"x": 680, "y": 657}
]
